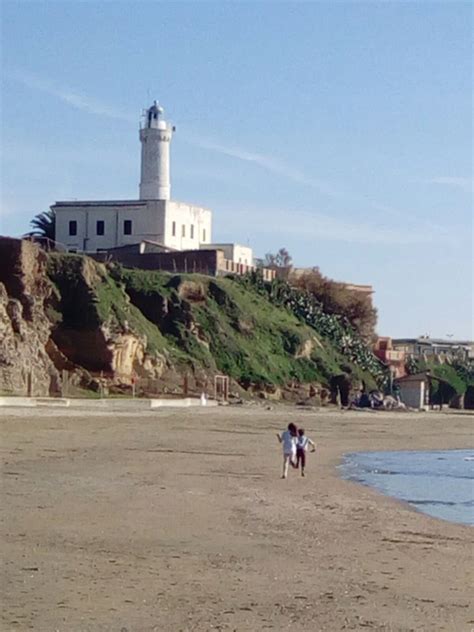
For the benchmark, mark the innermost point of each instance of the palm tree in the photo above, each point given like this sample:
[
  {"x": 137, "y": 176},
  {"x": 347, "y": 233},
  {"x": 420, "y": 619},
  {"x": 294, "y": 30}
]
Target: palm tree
[{"x": 44, "y": 228}]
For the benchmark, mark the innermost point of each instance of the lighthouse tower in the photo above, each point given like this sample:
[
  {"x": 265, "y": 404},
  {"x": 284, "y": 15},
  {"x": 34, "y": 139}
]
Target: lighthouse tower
[
  {"x": 155, "y": 137},
  {"x": 153, "y": 220}
]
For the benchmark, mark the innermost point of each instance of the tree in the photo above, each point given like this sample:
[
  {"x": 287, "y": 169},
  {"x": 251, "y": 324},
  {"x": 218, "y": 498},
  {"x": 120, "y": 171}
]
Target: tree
[
  {"x": 44, "y": 228},
  {"x": 282, "y": 259},
  {"x": 281, "y": 262},
  {"x": 337, "y": 299}
]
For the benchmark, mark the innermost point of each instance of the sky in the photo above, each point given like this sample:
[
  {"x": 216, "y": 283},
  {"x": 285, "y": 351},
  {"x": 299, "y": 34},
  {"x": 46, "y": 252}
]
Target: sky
[{"x": 341, "y": 131}]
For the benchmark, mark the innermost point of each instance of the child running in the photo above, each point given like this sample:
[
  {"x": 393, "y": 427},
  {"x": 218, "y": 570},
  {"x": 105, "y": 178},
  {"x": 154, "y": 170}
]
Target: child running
[
  {"x": 302, "y": 443},
  {"x": 288, "y": 441}
]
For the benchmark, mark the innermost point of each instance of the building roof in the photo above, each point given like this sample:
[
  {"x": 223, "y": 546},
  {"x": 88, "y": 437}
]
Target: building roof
[
  {"x": 92, "y": 203},
  {"x": 356, "y": 287},
  {"x": 100, "y": 203},
  {"x": 432, "y": 341},
  {"x": 221, "y": 243},
  {"x": 425, "y": 376},
  {"x": 216, "y": 244},
  {"x": 415, "y": 377}
]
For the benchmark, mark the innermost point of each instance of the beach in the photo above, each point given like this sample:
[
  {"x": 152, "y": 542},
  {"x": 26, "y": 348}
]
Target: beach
[{"x": 177, "y": 520}]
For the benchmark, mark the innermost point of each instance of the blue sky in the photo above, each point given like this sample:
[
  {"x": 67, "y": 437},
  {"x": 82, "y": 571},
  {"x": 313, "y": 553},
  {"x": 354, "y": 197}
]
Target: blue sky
[{"x": 342, "y": 131}]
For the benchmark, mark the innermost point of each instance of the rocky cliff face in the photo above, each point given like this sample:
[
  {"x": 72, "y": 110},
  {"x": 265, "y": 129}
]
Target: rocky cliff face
[
  {"x": 25, "y": 366},
  {"x": 97, "y": 327},
  {"x": 40, "y": 345}
]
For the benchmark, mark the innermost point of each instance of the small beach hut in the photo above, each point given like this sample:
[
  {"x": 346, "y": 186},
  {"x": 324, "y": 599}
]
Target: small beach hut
[
  {"x": 422, "y": 390},
  {"x": 414, "y": 390}
]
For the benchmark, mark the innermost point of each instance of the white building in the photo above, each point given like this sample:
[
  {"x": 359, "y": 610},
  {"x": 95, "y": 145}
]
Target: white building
[
  {"x": 91, "y": 226},
  {"x": 95, "y": 226},
  {"x": 233, "y": 252}
]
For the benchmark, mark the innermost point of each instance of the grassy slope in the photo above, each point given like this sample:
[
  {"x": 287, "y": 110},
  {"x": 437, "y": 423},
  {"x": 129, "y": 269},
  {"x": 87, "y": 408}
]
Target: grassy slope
[
  {"x": 213, "y": 324},
  {"x": 242, "y": 334}
]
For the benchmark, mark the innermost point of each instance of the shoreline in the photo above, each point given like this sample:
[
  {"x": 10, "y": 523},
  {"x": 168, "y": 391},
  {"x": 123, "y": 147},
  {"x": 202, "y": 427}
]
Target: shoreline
[
  {"x": 178, "y": 520},
  {"x": 371, "y": 481}
]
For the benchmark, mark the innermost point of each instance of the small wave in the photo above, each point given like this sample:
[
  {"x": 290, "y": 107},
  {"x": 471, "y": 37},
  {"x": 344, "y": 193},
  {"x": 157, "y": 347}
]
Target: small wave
[
  {"x": 443, "y": 503},
  {"x": 422, "y": 473}
]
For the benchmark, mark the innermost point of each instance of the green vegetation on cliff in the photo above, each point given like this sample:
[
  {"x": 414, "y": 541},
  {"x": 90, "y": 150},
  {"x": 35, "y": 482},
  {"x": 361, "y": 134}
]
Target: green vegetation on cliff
[
  {"x": 212, "y": 324},
  {"x": 226, "y": 325},
  {"x": 456, "y": 376},
  {"x": 87, "y": 297}
]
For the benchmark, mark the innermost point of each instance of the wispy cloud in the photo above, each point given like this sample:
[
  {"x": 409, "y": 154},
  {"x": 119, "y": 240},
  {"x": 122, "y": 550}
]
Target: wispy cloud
[
  {"x": 314, "y": 226},
  {"x": 88, "y": 104},
  {"x": 304, "y": 224},
  {"x": 75, "y": 99},
  {"x": 341, "y": 229},
  {"x": 466, "y": 184},
  {"x": 265, "y": 162}
]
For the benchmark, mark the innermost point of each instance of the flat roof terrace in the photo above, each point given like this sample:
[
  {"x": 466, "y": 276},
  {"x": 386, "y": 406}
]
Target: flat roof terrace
[{"x": 101, "y": 203}]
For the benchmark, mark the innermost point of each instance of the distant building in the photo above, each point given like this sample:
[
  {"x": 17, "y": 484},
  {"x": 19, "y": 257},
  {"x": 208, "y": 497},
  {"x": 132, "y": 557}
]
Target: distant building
[
  {"x": 396, "y": 352},
  {"x": 234, "y": 252},
  {"x": 366, "y": 290},
  {"x": 149, "y": 255},
  {"x": 395, "y": 359},
  {"x": 94, "y": 226},
  {"x": 424, "y": 347}
]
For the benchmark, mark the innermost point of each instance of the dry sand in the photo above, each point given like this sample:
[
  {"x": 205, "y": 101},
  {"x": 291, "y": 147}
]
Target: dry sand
[{"x": 179, "y": 521}]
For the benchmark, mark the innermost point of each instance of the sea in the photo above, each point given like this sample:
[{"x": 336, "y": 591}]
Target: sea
[{"x": 439, "y": 483}]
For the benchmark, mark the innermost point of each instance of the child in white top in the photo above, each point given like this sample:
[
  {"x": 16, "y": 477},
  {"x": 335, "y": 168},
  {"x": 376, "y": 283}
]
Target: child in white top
[
  {"x": 288, "y": 441},
  {"x": 302, "y": 443}
]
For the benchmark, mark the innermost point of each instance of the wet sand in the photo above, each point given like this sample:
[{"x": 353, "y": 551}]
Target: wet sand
[{"x": 179, "y": 521}]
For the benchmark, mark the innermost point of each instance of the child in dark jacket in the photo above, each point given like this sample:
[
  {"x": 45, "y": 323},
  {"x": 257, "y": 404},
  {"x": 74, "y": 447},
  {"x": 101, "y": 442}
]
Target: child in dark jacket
[{"x": 302, "y": 443}]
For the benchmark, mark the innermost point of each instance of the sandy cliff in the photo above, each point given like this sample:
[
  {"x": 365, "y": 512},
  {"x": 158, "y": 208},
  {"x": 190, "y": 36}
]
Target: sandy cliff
[{"x": 25, "y": 366}]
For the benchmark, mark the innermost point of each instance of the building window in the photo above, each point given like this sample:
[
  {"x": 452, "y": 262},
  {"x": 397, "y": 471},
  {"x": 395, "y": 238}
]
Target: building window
[
  {"x": 100, "y": 227},
  {"x": 173, "y": 229},
  {"x": 73, "y": 227},
  {"x": 183, "y": 231},
  {"x": 192, "y": 231},
  {"x": 204, "y": 235},
  {"x": 127, "y": 226}
]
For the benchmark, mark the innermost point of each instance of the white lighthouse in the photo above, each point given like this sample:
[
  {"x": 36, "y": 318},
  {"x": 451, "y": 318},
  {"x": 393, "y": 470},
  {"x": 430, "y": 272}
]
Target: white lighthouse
[
  {"x": 155, "y": 137},
  {"x": 169, "y": 225}
]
